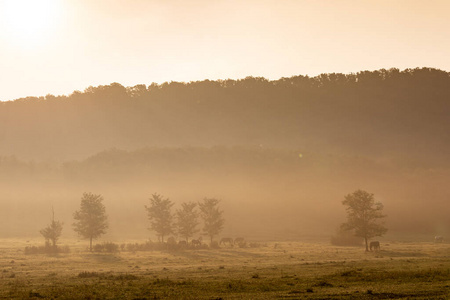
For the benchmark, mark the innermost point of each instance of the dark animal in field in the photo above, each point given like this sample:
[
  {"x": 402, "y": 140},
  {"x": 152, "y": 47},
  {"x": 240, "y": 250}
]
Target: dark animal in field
[
  {"x": 197, "y": 242},
  {"x": 238, "y": 240},
  {"x": 375, "y": 245},
  {"x": 438, "y": 239},
  {"x": 225, "y": 241}
]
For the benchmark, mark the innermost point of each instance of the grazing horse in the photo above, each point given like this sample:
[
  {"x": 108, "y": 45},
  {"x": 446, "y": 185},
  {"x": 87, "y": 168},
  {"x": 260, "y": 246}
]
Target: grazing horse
[
  {"x": 197, "y": 242},
  {"x": 238, "y": 240},
  {"x": 438, "y": 239},
  {"x": 375, "y": 245},
  {"x": 226, "y": 240}
]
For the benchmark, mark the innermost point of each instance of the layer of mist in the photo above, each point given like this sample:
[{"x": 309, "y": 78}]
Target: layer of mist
[{"x": 280, "y": 155}]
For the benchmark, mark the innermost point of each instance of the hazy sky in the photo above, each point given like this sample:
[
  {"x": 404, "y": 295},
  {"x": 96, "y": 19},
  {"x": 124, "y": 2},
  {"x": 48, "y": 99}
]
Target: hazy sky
[{"x": 58, "y": 46}]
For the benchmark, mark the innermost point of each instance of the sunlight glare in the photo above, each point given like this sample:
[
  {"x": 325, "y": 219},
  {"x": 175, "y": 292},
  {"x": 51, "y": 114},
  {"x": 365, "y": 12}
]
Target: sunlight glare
[{"x": 29, "y": 22}]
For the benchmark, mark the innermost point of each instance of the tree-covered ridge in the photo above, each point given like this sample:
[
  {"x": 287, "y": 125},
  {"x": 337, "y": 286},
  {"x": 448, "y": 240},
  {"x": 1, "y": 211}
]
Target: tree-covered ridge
[
  {"x": 384, "y": 112},
  {"x": 415, "y": 79}
]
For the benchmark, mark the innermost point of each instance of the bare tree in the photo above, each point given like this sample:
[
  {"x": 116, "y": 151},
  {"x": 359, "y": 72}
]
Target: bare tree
[
  {"x": 363, "y": 215},
  {"x": 160, "y": 216},
  {"x": 53, "y": 231},
  {"x": 91, "y": 220},
  {"x": 187, "y": 220},
  {"x": 212, "y": 217}
]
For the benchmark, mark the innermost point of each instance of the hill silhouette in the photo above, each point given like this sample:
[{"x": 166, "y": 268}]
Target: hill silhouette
[{"x": 384, "y": 113}]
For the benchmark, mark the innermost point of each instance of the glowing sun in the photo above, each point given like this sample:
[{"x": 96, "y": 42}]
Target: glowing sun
[{"x": 30, "y": 22}]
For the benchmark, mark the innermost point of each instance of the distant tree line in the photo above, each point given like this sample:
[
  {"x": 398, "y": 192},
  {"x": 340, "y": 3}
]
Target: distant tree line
[{"x": 378, "y": 111}]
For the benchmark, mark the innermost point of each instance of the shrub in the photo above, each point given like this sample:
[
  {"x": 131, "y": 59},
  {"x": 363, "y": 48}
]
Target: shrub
[
  {"x": 107, "y": 247},
  {"x": 151, "y": 246},
  {"x": 47, "y": 249},
  {"x": 111, "y": 247},
  {"x": 214, "y": 245},
  {"x": 147, "y": 246},
  {"x": 242, "y": 244}
]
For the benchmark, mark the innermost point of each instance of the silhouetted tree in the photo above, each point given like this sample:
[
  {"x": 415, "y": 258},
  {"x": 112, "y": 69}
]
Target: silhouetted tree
[
  {"x": 91, "y": 220},
  {"x": 212, "y": 217},
  {"x": 53, "y": 231},
  {"x": 187, "y": 220},
  {"x": 363, "y": 215},
  {"x": 160, "y": 216}
]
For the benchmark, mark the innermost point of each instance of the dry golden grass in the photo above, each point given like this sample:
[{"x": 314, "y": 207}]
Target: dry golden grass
[{"x": 273, "y": 270}]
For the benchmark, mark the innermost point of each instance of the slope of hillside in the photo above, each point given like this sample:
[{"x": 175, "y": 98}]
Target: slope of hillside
[{"x": 380, "y": 113}]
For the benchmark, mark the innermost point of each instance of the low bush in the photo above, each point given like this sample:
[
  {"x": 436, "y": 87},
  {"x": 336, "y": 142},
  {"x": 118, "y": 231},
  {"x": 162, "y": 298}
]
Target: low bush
[
  {"x": 242, "y": 244},
  {"x": 147, "y": 246},
  {"x": 255, "y": 245},
  {"x": 107, "y": 247},
  {"x": 47, "y": 249},
  {"x": 214, "y": 245},
  {"x": 151, "y": 246}
]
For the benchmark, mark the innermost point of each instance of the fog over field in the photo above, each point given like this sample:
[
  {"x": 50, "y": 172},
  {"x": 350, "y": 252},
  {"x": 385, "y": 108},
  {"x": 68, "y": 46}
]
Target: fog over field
[
  {"x": 219, "y": 149},
  {"x": 280, "y": 155}
]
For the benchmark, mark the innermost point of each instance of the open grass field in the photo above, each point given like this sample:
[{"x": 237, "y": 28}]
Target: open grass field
[{"x": 284, "y": 270}]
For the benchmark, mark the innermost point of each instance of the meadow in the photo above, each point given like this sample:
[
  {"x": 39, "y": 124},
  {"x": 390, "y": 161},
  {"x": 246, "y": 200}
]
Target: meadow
[{"x": 272, "y": 270}]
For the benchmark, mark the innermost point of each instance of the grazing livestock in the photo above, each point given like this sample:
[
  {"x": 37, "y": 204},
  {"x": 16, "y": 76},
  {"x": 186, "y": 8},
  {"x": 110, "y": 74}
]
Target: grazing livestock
[
  {"x": 197, "y": 242},
  {"x": 375, "y": 245},
  {"x": 226, "y": 240},
  {"x": 438, "y": 239}
]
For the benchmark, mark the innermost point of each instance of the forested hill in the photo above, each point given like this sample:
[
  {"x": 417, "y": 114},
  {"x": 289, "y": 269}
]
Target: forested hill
[{"x": 384, "y": 113}]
